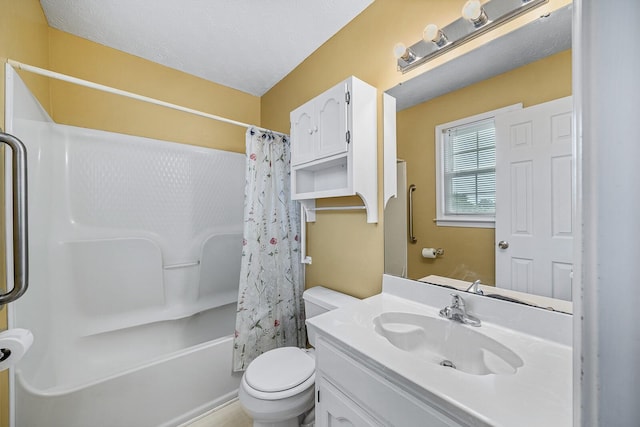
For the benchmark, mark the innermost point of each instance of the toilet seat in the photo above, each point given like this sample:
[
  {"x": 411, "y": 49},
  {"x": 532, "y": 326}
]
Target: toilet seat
[{"x": 280, "y": 373}]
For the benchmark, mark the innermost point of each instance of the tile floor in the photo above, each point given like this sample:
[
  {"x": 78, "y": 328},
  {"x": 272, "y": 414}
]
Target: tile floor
[{"x": 229, "y": 415}]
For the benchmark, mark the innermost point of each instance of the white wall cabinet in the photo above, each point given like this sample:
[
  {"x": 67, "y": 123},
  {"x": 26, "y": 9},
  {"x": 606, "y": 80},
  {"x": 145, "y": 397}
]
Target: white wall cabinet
[
  {"x": 319, "y": 127},
  {"x": 350, "y": 393},
  {"x": 334, "y": 145}
]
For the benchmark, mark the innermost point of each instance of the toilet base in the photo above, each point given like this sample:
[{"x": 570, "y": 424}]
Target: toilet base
[{"x": 286, "y": 412}]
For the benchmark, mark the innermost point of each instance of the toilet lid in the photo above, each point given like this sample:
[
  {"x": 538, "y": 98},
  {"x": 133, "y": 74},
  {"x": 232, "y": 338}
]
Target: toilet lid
[{"x": 280, "y": 369}]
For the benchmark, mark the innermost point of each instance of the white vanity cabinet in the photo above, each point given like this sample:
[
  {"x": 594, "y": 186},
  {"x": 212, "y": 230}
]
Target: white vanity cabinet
[
  {"x": 334, "y": 145},
  {"x": 352, "y": 394},
  {"x": 371, "y": 371}
]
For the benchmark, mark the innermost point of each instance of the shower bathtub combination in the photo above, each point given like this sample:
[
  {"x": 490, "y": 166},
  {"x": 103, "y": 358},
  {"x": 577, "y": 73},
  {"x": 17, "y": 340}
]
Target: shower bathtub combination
[{"x": 135, "y": 248}]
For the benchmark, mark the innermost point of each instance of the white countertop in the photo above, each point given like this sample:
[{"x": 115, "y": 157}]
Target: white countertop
[{"x": 538, "y": 394}]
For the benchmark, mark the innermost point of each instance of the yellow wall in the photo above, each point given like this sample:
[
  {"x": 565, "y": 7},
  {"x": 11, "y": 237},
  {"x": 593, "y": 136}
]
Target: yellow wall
[
  {"x": 347, "y": 252},
  {"x": 79, "y": 106},
  {"x": 469, "y": 252},
  {"x": 23, "y": 37}
]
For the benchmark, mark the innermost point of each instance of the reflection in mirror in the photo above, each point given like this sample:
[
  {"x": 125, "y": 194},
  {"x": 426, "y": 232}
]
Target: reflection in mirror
[
  {"x": 530, "y": 65},
  {"x": 395, "y": 226}
]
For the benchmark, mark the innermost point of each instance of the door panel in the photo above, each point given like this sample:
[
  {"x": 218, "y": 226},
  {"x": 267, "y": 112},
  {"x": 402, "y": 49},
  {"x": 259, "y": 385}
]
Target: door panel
[
  {"x": 521, "y": 274},
  {"x": 561, "y": 280},
  {"x": 521, "y": 199}
]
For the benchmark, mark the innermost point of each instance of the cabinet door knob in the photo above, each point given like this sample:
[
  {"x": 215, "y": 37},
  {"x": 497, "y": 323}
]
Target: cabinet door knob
[{"x": 310, "y": 131}]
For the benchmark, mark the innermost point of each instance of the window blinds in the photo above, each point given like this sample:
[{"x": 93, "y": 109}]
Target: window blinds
[{"x": 469, "y": 154}]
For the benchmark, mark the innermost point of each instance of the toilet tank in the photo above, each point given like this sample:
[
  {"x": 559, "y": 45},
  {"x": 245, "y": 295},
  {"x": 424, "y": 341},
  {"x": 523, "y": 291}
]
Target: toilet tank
[{"x": 318, "y": 300}]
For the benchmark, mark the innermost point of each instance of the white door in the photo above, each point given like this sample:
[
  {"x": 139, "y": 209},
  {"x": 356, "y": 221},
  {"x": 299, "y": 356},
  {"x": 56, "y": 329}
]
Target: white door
[{"x": 534, "y": 226}]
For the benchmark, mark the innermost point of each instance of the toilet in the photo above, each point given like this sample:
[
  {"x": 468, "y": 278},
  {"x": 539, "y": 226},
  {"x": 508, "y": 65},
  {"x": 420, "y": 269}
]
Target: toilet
[{"x": 277, "y": 388}]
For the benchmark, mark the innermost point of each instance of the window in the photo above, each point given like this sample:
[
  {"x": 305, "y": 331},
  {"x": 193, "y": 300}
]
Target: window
[{"x": 466, "y": 171}]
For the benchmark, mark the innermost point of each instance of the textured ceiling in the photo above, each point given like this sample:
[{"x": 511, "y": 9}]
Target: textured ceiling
[{"x": 248, "y": 45}]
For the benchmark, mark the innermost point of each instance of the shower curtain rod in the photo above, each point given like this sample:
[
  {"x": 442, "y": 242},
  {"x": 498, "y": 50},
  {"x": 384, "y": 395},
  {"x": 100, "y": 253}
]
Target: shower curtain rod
[{"x": 86, "y": 83}]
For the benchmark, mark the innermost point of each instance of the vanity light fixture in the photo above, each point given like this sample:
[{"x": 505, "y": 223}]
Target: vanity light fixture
[
  {"x": 477, "y": 19},
  {"x": 434, "y": 34}
]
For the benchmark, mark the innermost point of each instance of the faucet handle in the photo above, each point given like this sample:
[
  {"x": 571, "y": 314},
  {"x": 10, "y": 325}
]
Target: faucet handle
[
  {"x": 446, "y": 312},
  {"x": 457, "y": 312},
  {"x": 456, "y": 301}
]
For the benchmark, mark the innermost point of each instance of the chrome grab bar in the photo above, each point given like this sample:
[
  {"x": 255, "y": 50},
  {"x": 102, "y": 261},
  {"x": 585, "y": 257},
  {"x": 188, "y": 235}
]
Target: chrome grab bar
[
  {"x": 412, "y": 238},
  {"x": 20, "y": 226}
]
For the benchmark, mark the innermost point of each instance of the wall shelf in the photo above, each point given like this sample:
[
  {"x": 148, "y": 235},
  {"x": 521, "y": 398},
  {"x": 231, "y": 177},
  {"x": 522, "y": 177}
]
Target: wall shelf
[{"x": 334, "y": 146}]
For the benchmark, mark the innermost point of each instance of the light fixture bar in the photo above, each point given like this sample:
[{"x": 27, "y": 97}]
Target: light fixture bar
[{"x": 461, "y": 30}]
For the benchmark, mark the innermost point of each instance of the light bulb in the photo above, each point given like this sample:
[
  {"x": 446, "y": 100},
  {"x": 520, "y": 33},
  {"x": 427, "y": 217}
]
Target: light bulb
[
  {"x": 430, "y": 33},
  {"x": 433, "y": 34},
  {"x": 472, "y": 10},
  {"x": 400, "y": 51}
]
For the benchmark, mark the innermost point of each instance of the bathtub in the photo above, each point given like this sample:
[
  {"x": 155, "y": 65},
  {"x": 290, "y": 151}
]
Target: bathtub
[{"x": 165, "y": 391}]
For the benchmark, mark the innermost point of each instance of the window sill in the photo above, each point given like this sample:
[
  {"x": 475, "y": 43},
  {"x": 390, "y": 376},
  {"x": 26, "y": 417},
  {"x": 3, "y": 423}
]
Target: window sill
[{"x": 465, "y": 223}]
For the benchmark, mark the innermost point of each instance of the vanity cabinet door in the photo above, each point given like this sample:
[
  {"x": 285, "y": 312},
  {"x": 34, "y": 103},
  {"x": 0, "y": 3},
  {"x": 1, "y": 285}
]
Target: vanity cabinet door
[{"x": 335, "y": 409}]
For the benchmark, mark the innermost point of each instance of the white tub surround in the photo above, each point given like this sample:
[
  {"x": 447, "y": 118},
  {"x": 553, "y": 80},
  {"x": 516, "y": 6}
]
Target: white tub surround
[
  {"x": 135, "y": 248},
  {"x": 538, "y": 393}
]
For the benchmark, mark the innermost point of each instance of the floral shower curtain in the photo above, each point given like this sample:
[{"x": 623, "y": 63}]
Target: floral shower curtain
[{"x": 270, "y": 308}]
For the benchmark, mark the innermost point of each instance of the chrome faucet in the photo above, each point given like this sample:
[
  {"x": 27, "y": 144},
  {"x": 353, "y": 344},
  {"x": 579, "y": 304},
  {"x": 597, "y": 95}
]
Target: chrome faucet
[
  {"x": 458, "y": 313},
  {"x": 475, "y": 288}
]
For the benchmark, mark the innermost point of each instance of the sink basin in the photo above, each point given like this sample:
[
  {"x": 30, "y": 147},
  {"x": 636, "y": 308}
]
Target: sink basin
[{"x": 447, "y": 343}]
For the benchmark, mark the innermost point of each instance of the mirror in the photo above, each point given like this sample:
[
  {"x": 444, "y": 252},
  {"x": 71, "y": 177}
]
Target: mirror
[{"x": 530, "y": 65}]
